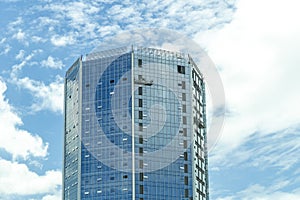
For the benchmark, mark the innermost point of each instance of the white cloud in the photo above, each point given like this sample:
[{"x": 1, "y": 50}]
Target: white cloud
[
  {"x": 259, "y": 66},
  {"x": 25, "y": 59},
  {"x": 14, "y": 140},
  {"x": 258, "y": 192},
  {"x": 2, "y": 40},
  {"x": 56, "y": 196},
  {"x": 38, "y": 39},
  {"x": 15, "y": 23},
  {"x": 47, "y": 97},
  {"x": 20, "y": 35},
  {"x": 18, "y": 179},
  {"x": 4, "y": 49},
  {"x": 279, "y": 150},
  {"x": 20, "y": 55},
  {"x": 90, "y": 20},
  {"x": 52, "y": 63},
  {"x": 62, "y": 40}
]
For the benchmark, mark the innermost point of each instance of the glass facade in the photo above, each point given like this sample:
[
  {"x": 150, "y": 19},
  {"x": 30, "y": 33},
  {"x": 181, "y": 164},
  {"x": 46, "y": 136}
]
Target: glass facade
[{"x": 135, "y": 127}]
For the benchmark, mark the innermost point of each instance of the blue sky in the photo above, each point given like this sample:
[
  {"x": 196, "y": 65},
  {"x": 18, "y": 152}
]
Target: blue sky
[{"x": 254, "y": 45}]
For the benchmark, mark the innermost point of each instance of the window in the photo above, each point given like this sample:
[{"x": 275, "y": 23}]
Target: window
[
  {"x": 183, "y": 97},
  {"x": 183, "y": 84},
  {"x": 186, "y": 193},
  {"x": 141, "y": 164},
  {"x": 141, "y": 189},
  {"x": 140, "y": 126},
  {"x": 181, "y": 69},
  {"x": 185, "y": 155},
  {"x": 141, "y": 176},
  {"x": 184, "y": 119},
  {"x": 140, "y": 114},
  {"x": 141, "y": 139},
  {"x": 140, "y": 62},
  {"x": 184, "y": 108},
  {"x": 140, "y": 91},
  {"x": 185, "y": 132},
  {"x": 184, "y": 144},
  {"x": 186, "y": 180},
  {"x": 141, "y": 151},
  {"x": 140, "y": 102},
  {"x": 185, "y": 168}
]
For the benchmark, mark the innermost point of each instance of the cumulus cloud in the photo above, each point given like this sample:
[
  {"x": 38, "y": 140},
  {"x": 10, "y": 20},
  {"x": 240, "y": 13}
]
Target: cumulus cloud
[
  {"x": 20, "y": 55},
  {"x": 276, "y": 150},
  {"x": 259, "y": 192},
  {"x": 20, "y": 36},
  {"x": 46, "y": 97},
  {"x": 38, "y": 39},
  {"x": 52, "y": 63},
  {"x": 55, "y": 196},
  {"x": 4, "y": 49},
  {"x": 14, "y": 140},
  {"x": 92, "y": 20},
  {"x": 259, "y": 67},
  {"x": 24, "y": 61},
  {"x": 58, "y": 40},
  {"x": 18, "y": 179}
]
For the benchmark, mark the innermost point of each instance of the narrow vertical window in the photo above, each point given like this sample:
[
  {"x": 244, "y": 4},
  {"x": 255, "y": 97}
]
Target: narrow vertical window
[
  {"x": 140, "y": 62},
  {"x": 185, "y": 168},
  {"x": 186, "y": 180},
  {"x": 180, "y": 69},
  {"x": 141, "y": 164},
  {"x": 140, "y": 126},
  {"x": 183, "y": 84},
  {"x": 184, "y": 108},
  {"x": 141, "y": 139},
  {"x": 141, "y": 151},
  {"x": 140, "y": 114},
  {"x": 184, "y": 119},
  {"x": 141, "y": 176},
  {"x": 184, "y": 132},
  {"x": 183, "y": 97},
  {"x": 141, "y": 189},
  {"x": 185, "y": 156},
  {"x": 140, "y": 91},
  {"x": 186, "y": 193}
]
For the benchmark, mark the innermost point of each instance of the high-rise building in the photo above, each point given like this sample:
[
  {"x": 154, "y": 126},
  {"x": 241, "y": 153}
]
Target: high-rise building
[{"x": 135, "y": 127}]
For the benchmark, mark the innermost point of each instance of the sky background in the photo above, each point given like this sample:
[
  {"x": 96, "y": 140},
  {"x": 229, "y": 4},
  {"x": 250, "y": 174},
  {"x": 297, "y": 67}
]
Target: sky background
[{"x": 254, "y": 44}]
